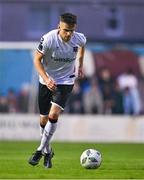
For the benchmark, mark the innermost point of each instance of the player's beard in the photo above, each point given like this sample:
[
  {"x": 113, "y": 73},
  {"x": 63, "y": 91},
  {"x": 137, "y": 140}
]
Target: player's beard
[{"x": 67, "y": 38}]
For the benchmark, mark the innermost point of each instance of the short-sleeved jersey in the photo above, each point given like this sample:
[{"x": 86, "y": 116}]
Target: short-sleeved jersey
[{"x": 59, "y": 56}]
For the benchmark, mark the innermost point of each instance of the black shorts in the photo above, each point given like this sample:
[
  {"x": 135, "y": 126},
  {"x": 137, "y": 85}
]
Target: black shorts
[{"x": 46, "y": 97}]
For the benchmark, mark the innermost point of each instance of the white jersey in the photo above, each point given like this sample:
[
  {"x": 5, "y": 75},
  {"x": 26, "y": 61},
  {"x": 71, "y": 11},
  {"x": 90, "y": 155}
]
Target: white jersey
[{"x": 59, "y": 56}]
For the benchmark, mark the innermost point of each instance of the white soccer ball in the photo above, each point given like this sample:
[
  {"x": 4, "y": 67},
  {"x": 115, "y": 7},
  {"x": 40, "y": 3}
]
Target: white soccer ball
[{"x": 91, "y": 159}]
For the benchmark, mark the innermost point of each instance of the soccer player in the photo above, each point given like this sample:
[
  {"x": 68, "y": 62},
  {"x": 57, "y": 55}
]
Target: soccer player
[{"x": 55, "y": 63}]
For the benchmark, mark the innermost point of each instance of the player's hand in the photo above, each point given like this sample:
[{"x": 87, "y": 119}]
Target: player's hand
[
  {"x": 51, "y": 84},
  {"x": 80, "y": 72}
]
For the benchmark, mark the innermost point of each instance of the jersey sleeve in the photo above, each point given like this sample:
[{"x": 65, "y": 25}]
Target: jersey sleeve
[
  {"x": 44, "y": 44},
  {"x": 81, "y": 40}
]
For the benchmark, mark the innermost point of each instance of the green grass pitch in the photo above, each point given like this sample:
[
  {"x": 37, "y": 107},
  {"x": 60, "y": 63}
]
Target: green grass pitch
[{"x": 120, "y": 161}]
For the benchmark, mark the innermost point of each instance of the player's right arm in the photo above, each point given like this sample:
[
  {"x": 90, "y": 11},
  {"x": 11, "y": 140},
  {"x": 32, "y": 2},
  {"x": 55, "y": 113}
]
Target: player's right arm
[{"x": 50, "y": 83}]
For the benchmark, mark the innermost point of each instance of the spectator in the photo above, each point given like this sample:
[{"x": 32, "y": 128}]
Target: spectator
[
  {"x": 75, "y": 104},
  {"x": 12, "y": 101},
  {"x": 128, "y": 83},
  {"x": 93, "y": 99},
  {"x": 3, "y": 104},
  {"x": 105, "y": 80},
  {"x": 23, "y": 98},
  {"x": 117, "y": 105}
]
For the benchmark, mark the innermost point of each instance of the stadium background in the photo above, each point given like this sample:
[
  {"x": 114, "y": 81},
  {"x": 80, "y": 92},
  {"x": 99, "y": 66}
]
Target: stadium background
[
  {"x": 114, "y": 30},
  {"x": 95, "y": 116}
]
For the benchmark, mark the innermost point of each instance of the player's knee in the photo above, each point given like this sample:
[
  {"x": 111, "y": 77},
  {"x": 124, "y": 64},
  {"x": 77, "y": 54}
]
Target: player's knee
[
  {"x": 54, "y": 116},
  {"x": 43, "y": 120}
]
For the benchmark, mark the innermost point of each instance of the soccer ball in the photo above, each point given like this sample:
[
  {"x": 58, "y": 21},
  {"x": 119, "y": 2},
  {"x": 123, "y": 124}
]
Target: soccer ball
[{"x": 91, "y": 159}]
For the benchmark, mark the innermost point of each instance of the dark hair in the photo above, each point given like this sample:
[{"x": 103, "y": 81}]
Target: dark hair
[{"x": 68, "y": 18}]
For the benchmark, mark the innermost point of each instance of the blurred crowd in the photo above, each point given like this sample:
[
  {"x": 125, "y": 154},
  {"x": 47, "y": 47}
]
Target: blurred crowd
[
  {"x": 104, "y": 94},
  {"x": 15, "y": 102},
  {"x": 100, "y": 94}
]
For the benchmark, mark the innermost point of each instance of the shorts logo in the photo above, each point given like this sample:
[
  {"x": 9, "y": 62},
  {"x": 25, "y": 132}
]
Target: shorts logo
[{"x": 75, "y": 49}]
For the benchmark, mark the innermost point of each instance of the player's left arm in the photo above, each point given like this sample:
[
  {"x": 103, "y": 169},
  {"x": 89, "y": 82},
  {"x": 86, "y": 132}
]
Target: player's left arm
[{"x": 80, "y": 58}]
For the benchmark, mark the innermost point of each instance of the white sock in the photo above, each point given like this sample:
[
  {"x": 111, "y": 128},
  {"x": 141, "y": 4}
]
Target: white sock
[
  {"x": 41, "y": 131},
  {"x": 47, "y": 149},
  {"x": 47, "y": 135}
]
